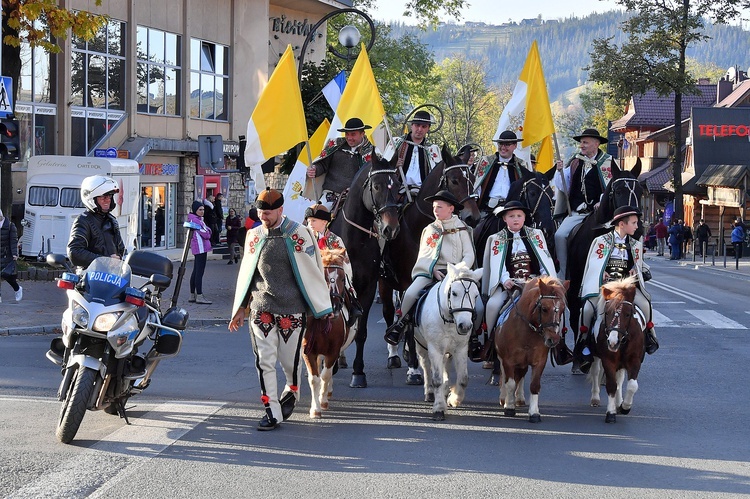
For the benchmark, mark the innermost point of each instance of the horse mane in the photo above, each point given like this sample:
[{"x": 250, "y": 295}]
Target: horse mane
[
  {"x": 538, "y": 286},
  {"x": 615, "y": 292},
  {"x": 332, "y": 257}
]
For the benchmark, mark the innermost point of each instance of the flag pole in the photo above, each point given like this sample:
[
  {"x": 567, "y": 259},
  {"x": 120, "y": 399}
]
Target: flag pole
[
  {"x": 400, "y": 170},
  {"x": 562, "y": 172},
  {"x": 310, "y": 162}
]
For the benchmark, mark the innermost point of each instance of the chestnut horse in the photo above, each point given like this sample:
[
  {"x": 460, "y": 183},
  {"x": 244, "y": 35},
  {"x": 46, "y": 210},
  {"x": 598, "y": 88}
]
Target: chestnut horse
[
  {"x": 325, "y": 339},
  {"x": 533, "y": 327},
  {"x": 619, "y": 346}
]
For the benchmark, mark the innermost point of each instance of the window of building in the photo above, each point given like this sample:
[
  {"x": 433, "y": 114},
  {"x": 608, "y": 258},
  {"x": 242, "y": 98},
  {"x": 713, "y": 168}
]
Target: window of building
[
  {"x": 98, "y": 78},
  {"x": 209, "y": 80},
  {"x": 159, "y": 71}
]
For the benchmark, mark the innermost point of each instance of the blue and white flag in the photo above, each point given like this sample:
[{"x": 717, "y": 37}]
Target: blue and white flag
[{"x": 332, "y": 92}]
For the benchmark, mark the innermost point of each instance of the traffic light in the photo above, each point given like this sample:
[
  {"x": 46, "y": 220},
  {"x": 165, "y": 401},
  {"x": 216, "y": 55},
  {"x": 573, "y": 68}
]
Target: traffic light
[{"x": 10, "y": 144}]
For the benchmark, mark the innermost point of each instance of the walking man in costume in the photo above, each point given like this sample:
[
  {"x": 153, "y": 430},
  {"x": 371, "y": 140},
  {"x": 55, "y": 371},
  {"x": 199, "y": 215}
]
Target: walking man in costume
[
  {"x": 279, "y": 285},
  {"x": 413, "y": 153},
  {"x": 583, "y": 181},
  {"x": 334, "y": 170},
  {"x": 614, "y": 255},
  {"x": 495, "y": 173}
]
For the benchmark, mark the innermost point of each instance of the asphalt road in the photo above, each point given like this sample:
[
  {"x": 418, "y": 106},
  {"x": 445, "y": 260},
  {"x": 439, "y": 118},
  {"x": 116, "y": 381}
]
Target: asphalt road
[{"x": 193, "y": 431}]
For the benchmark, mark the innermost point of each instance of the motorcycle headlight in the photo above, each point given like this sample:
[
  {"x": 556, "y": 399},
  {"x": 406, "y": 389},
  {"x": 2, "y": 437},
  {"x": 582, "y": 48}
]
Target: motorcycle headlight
[
  {"x": 80, "y": 315},
  {"x": 105, "y": 322}
]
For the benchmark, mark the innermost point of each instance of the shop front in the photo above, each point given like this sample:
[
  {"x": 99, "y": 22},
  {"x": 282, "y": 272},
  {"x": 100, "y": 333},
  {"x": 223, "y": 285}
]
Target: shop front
[{"x": 158, "y": 204}]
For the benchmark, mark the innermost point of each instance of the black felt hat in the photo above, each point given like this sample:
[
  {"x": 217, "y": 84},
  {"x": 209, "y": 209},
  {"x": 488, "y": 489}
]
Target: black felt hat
[
  {"x": 446, "y": 196},
  {"x": 353, "y": 125},
  {"x": 624, "y": 212},
  {"x": 318, "y": 211},
  {"x": 507, "y": 137},
  {"x": 510, "y": 206},
  {"x": 422, "y": 117},
  {"x": 593, "y": 133}
]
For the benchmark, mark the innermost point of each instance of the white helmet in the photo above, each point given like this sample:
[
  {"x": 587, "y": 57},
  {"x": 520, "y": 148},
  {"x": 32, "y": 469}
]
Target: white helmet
[{"x": 95, "y": 186}]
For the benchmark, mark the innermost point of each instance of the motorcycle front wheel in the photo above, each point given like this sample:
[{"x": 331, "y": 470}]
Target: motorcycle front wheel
[{"x": 75, "y": 403}]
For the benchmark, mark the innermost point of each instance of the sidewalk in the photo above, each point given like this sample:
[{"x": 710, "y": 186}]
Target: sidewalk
[
  {"x": 40, "y": 311},
  {"x": 744, "y": 263}
]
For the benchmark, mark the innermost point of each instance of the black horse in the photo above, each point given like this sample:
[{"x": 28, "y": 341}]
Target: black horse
[
  {"x": 623, "y": 190},
  {"x": 370, "y": 213}
]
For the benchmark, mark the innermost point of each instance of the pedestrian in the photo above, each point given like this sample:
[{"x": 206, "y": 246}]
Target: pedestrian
[
  {"x": 702, "y": 233},
  {"x": 9, "y": 255},
  {"x": 200, "y": 245},
  {"x": 333, "y": 171},
  {"x": 675, "y": 236},
  {"x": 233, "y": 224},
  {"x": 738, "y": 238},
  {"x": 209, "y": 215},
  {"x": 583, "y": 180},
  {"x": 680, "y": 238},
  {"x": 661, "y": 237},
  {"x": 613, "y": 256},
  {"x": 252, "y": 219},
  {"x": 650, "y": 241},
  {"x": 280, "y": 284},
  {"x": 218, "y": 219},
  {"x": 95, "y": 232},
  {"x": 687, "y": 238}
]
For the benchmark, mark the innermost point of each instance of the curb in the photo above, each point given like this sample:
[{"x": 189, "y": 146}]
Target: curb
[{"x": 55, "y": 328}]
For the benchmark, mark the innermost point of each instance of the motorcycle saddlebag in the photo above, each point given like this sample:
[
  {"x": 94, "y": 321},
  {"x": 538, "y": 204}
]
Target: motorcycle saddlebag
[{"x": 145, "y": 263}]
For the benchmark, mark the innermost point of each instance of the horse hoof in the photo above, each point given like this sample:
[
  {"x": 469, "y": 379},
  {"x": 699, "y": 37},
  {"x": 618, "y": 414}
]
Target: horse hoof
[
  {"x": 535, "y": 418},
  {"x": 520, "y": 403},
  {"x": 594, "y": 403},
  {"x": 495, "y": 380},
  {"x": 316, "y": 415},
  {"x": 414, "y": 379},
  {"x": 358, "y": 381},
  {"x": 621, "y": 410},
  {"x": 430, "y": 397},
  {"x": 510, "y": 412},
  {"x": 610, "y": 418},
  {"x": 324, "y": 406},
  {"x": 438, "y": 416},
  {"x": 342, "y": 363},
  {"x": 394, "y": 362}
]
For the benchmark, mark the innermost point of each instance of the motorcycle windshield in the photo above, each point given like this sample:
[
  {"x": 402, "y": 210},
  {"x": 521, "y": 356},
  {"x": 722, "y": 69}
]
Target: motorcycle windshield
[{"x": 105, "y": 281}]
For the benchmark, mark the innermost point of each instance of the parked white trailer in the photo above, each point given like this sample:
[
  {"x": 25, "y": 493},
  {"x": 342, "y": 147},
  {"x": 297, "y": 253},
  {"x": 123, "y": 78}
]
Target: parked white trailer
[{"x": 53, "y": 200}]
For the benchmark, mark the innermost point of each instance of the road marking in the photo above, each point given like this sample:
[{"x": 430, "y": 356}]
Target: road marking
[
  {"x": 689, "y": 296},
  {"x": 715, "y": 319},
  {"x": 146, "y": 437},
  {"x": 669, "y": 303},
  {"x": 661, "y": 320}
]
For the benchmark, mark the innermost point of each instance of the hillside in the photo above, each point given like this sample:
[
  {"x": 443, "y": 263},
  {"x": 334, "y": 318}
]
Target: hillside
[{"x": 564, "y": 46}]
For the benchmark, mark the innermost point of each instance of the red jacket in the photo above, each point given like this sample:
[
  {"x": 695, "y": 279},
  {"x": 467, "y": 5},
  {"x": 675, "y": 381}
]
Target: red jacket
[{"x": 661, "y": 230}]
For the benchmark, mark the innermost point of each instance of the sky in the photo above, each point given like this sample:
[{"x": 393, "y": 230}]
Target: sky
[{"x": 500, "y": 11}]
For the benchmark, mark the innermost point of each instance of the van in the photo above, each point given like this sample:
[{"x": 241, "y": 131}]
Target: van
[{"x": 53, "y": 200}]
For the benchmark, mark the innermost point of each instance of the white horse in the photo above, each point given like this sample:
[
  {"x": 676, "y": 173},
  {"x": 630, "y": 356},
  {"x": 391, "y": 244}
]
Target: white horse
[{"x": 445, "y": 324}]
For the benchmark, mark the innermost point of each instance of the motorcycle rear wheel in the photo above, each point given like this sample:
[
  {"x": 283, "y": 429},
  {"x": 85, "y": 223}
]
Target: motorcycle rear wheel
[{"x": 75, "y": 403}]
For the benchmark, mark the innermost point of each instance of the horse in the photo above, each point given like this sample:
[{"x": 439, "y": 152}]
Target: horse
[
  {"x": 532, "y": 328},
  {"x": 400, "y": 253},
  {"x": 442, "y": 333},
  {"x": 623, "y": 190},
  {"x": 369, "y": 214},
  {"x": 325, "y": 339},
  {"x": 619, "y": 346}
]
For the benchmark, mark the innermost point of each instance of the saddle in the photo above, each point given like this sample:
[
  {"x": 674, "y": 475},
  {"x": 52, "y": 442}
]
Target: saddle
[{"x": 417, "y": 315}]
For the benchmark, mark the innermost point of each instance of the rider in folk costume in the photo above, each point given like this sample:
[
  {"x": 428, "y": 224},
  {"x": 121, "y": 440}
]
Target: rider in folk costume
[
  {"x": 317, "y": 218},
  {"x": 280, "y": 282},
  {"x": 495, "y": 173},
  {"x": 412, "y": 153},
  {"x": 615, "y": 255},
  {"x": 446, "y": 240},
  {"x": 334, "y": 170},
  {"x": 583, "y": 181}
]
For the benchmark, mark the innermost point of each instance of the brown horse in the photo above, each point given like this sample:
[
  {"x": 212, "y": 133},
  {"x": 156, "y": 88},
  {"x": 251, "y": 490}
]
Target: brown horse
[
  {"x": 619, "y": 346},
  {"x": 533, "y": 327},
  {"x": 326, "y": 339}
]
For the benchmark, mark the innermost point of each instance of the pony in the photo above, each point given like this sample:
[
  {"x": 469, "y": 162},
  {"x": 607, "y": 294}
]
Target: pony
[
  {"x": 400, "y": 254},
  {"x": 623, "y": 190},
  {"x": 532, "y": 328},
  {"x": 442, "y": 333},
  {"x": 368, "y": 216},
  {"x": 325, "y": 339},
  {"x": 619, "y": 346}
]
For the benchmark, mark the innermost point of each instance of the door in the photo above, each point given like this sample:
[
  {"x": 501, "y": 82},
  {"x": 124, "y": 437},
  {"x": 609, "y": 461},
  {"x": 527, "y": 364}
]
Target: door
[{"x": 153, "y": 216}]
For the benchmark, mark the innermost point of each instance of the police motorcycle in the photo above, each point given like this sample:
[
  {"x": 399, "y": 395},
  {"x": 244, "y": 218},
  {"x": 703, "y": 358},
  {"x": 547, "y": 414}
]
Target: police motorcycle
[{"x": 114, "y": 331}]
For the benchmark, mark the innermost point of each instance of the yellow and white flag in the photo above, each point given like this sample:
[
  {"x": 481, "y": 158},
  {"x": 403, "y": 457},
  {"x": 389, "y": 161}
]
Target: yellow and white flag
[
  {"x": 361, "y": 99},
  {"x": 294, "y": 202},
  {"x": 278, "y": 121}
]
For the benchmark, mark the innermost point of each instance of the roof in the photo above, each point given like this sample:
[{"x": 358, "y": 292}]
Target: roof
[
  {"x": 724, "y": 175},
  {"x": 656, "y": 178},
  {"x": 738, "y": 94},
  {"x": 652, "y": 110}
]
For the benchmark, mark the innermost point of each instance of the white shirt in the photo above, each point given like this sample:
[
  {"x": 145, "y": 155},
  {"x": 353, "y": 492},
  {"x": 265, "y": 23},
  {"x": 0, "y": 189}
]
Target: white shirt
[
  {"x": 413, "y": 177},
  {"x": 502, "y": 181}
]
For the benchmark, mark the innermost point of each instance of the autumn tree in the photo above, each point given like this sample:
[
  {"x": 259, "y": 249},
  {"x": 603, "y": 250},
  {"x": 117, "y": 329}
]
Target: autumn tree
[{"x": 654, "y": 57}]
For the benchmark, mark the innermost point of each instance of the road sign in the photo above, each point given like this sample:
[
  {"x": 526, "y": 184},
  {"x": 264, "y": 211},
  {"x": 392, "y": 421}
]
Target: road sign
[
  {"x": 112, "y": 152},
  {"x": 6, "y": 96},
  {"x": 100, "y": 153}
]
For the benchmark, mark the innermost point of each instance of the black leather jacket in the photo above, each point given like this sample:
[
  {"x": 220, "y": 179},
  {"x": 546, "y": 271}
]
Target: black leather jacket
[{"x": 93, "y": 235}]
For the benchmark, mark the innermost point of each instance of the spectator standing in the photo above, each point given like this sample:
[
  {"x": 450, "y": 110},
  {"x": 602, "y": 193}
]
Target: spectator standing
[
  {"x": 233, "y": 225},
  {"x": 702, "y": 234},
  {"x": 687, "y": 238},
  {"x": 209, "y": 215},
  {"x": 661, "y": 237},
  {"x": 675, "y": 236},
  {"x": 738, "y": 238},
  {"x": 9, "y": 253},
  {"x": 200, "y": 245},
  {"x": 218, "y": 219}
]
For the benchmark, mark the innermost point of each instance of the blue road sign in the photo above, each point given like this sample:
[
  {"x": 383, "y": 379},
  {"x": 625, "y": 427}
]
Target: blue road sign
[
  {"x": 100, "y": 153},
  {"x": 112, "y": 152},
  {"x": 6, "y": 96}
]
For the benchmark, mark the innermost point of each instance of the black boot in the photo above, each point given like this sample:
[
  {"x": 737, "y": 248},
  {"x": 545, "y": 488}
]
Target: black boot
[
  {"x": 562, "y": 353},
  {"x": 475, "y": 347},
  {"x": 582, "y": 353},
  {"x": 355, "y": 309},
  {"x": 652, "y": 344},
  {"x": 396, "y": 330}
]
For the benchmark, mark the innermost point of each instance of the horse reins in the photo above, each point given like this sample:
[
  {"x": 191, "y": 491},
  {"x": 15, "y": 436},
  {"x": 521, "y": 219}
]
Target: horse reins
[
  {"x": 374, "y": 209},
  {"x": 544, "y": 192},
  {"x": 471, "y": 308},
  {"x": 630, "y": 184},
  {"x": 616, "y": 318},
  {"x": 542, "y": 325}
]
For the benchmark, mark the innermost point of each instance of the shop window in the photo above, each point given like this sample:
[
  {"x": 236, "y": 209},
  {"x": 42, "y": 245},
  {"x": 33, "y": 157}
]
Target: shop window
[
  {"x": 158, "y": 72},
  {"x": 209, "y": 80}
]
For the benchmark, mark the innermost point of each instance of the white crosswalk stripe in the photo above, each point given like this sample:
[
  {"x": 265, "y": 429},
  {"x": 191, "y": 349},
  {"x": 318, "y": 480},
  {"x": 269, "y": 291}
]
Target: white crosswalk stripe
[
  {"x": 715, "y": 319},
  {"x": 696, "y": 319}
]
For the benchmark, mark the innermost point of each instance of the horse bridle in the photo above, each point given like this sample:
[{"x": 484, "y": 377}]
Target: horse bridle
[
  {"x": 623, "y": 333},
  {"x": 333, "y": 290},
  {"x": 471, "y": 308},
  {"x": 465, "y": 170},
  {"x": 373, "y": 206},
  {"x": 544, "y": 192},
  {"x": 541, "y": 326},
  {"x": 630, "y": 184}
]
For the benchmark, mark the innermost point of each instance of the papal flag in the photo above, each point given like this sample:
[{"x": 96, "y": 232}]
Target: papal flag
[
  {"x": 529, "y": 105},
  {"x": 278, "y": 121},
  {"x": 361, "y": 98},
  {"x": 294, "y": 202}
]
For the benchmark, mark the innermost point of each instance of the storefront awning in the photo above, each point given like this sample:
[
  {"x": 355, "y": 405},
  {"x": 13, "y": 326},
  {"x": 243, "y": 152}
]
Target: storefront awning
[{"x": 724, "y": 175}]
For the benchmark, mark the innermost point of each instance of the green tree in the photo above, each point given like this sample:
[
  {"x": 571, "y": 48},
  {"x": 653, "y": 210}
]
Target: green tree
[
  {"x": 654, "y": 57},
  {"x": 427, "y": 12}
]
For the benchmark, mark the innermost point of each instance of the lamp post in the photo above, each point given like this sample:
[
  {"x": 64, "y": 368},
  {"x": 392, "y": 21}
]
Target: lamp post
[{"x": 349, "y": 37}]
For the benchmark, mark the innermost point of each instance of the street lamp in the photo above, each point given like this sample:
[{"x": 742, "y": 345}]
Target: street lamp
[{"x": 349, "y": 37}]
